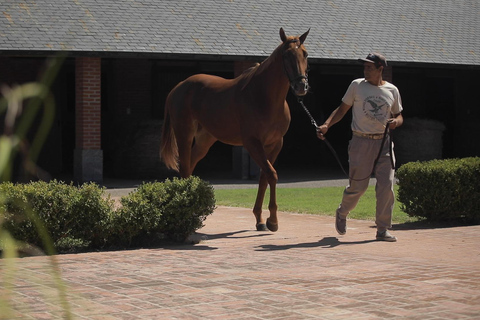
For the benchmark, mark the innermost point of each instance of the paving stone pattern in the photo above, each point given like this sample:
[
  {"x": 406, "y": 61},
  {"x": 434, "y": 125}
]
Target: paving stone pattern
[{"x": 303, "y": 271}]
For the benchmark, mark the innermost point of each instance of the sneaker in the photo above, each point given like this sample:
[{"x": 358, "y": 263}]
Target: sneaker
[
  {"x": 340, "y": 224},
  {"x": 385, "y": 236}
]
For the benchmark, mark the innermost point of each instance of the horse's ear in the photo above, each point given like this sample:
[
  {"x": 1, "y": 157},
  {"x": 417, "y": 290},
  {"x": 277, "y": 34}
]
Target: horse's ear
[
  {"x": 304, "y": 36},
  {"x": 282, "y": 35}
]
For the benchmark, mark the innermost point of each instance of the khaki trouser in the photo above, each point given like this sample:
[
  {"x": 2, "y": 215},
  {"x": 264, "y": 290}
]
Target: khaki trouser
[{"x": 362, "y": 153}]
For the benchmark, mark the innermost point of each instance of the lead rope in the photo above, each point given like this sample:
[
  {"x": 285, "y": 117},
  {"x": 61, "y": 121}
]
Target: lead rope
[{"x": 385, "y": 133}]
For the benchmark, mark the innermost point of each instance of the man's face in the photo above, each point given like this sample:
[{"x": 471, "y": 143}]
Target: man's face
[{"x": 370, "y": 71}]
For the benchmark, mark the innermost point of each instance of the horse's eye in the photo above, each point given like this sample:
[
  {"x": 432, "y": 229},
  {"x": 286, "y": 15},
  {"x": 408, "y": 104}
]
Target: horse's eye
[{"x": 305, "y": 54}]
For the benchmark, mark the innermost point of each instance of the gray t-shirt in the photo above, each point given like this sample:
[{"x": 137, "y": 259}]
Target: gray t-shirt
[{"x": 372, "y": 105}]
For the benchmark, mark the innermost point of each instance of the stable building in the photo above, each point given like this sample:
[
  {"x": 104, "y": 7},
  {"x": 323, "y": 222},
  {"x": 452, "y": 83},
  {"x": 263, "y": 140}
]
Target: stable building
[{"x": 119, "y": 59}]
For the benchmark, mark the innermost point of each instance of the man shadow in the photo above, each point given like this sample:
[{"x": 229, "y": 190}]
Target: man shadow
[{"x": 327, "y": 242}]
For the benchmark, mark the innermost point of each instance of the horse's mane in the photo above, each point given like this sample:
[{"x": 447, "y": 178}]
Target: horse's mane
[{"x": 247, "y": 75}]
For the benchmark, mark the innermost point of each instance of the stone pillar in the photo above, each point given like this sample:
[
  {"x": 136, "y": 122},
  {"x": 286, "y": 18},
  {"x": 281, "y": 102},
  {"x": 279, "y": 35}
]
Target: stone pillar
[
  {"x": 243, "y": 165},
  {"x": 88, "y": 155}
]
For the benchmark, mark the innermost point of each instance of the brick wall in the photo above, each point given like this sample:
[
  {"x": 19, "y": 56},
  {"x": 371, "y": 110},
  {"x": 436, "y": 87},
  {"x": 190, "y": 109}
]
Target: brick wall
[{"x": 88, "y": 103}]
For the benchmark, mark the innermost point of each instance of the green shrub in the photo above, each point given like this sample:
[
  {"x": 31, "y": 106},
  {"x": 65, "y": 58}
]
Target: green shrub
[
  {"x": 440, "y": 190},
  {"x": 71, "y": 215},
  {"x": 79, "y": 218},
  {"x": 139, "y": 217},
  {"x": 173, "y": 209},
  {"x": 187, "y": 204},
  {"x": 14, "y": 207}
]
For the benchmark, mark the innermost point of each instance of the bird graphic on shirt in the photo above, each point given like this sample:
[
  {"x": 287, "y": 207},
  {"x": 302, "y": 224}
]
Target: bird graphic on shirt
[{"x": 375, "y": 107}]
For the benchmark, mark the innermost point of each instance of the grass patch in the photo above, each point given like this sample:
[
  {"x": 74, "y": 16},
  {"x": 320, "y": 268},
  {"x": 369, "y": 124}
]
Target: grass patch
[{"x": 322, "y": 201}]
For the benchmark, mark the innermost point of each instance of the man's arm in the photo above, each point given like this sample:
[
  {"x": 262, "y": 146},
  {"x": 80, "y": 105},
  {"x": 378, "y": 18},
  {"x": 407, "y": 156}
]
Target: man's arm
[{"x": 335, "y": 117}]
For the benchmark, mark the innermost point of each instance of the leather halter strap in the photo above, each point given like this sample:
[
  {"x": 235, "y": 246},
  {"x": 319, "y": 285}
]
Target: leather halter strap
[{"x": 300, "y": 77}]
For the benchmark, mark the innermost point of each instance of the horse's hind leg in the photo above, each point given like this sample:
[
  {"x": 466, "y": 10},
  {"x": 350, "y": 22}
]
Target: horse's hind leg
[
  {"x": 193, "y": 144},
  {"x": 203, "y": 141},
  {"x": 184, "y": 133},
  {"x": 184, "y": 155}
]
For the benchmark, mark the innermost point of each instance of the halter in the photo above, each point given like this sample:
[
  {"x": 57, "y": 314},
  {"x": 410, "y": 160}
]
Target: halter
[{"x": 299, "y": 77}]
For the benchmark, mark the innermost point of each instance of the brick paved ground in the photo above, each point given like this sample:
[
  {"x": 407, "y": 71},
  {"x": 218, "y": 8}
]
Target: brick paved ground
[{"x": 304, "y": 271}]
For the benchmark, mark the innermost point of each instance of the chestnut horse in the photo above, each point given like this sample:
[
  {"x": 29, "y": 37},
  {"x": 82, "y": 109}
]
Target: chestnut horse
[{"x": 249, "y": 111}]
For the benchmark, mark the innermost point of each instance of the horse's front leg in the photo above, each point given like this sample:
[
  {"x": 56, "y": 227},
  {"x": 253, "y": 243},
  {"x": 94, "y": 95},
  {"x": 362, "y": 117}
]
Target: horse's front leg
[
  {"x": 268, "y": 176},
  {"x": 257, "y": 209},
  {"x": 272, "y": 221},
  {"x": 274, "y": 150},
  {"x": 267, "y": 180}
]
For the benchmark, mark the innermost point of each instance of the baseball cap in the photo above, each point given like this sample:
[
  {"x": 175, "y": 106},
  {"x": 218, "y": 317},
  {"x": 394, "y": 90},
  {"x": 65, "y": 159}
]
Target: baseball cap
[{"x": 376, "y": 58}]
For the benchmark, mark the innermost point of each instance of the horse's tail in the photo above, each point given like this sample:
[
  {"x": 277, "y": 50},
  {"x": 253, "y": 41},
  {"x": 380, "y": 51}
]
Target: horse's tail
[{"x": 169, "y": 148}]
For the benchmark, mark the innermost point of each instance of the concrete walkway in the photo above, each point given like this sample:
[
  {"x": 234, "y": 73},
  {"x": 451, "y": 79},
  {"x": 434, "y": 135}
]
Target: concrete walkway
[{"x": 303, "y": 271}]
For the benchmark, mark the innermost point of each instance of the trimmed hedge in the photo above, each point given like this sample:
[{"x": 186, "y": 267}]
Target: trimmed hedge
[
  {"x": 73, "y": 217},
  {"x": 441, "y": 190},
  {"x": 78, "y": 218},
  {"x": 173, "y": 210}
]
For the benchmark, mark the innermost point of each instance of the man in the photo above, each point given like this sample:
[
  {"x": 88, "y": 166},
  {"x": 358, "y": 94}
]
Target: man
[{"x": 376, "y": 104}]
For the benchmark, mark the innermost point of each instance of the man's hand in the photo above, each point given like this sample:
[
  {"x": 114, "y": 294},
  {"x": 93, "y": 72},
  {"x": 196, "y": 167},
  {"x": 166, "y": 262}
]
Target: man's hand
[
  {"x": 392, "y": 123},
  {"x": 321, "y": 131},
  {"x": 395, "y": 122}
]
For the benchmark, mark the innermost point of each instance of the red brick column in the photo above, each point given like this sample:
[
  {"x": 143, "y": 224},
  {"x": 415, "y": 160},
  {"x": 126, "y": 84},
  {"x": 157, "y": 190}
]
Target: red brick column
[
  {"x": 87, "y": 101},
  {"x": 88, "y": 164}
]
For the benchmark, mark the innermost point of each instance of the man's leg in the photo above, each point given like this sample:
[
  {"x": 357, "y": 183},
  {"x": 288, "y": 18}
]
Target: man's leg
[
  {"x": 385, "y": 197},
  {"x": 361, "y": 154},
  {"x": 384, "y": 192},
  {"x": 351, "y": 196}
]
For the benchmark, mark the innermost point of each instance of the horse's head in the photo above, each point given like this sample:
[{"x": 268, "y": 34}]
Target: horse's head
[{"x": 295, "y": 62}]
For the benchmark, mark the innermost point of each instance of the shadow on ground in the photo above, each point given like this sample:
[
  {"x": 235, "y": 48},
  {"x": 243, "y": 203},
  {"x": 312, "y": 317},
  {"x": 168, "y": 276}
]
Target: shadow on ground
[
  {"x": 422, "y": 225},
  {"x": 327, "y": 242}
]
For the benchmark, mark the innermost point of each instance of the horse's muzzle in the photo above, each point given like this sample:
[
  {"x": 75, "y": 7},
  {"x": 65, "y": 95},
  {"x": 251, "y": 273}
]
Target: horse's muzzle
[{"x": 300, "y": 86}]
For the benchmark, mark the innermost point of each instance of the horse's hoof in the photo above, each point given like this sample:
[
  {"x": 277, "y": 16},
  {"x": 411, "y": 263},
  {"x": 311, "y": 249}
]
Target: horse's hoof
[
  {"x": 261, "y": 227},
  {"x": 272, "y": 226}
]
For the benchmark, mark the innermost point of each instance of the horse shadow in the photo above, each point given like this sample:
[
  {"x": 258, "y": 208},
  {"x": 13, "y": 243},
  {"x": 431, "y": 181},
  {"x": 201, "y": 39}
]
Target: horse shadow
[
  {"x": 326, "y": 242},
  {"x": 232, "y": 235},
  {"x": 199, "y": 241}
]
